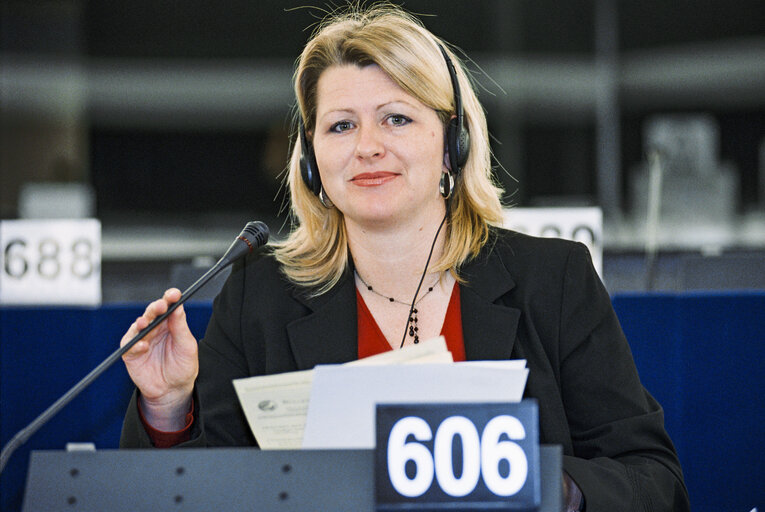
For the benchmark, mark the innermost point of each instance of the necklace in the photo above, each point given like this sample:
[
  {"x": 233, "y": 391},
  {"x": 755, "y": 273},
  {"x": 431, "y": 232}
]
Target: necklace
[{"x": 412, "y": 323}]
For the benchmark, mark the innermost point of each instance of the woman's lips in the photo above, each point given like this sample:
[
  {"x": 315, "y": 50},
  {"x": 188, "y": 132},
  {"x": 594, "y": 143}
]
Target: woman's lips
[{"x": 373, "y": 179}]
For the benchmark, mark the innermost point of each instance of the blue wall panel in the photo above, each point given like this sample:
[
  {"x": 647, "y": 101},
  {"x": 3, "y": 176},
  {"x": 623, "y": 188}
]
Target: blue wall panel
[
  {"x": 702, "y": 356},
  {"x": 44, "y": 352}
]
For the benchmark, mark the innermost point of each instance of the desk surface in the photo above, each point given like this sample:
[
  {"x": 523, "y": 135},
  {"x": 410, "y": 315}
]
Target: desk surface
[{"x": 223, "y": 479}]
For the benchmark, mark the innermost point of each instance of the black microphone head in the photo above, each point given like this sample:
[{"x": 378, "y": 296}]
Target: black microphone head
[
  {"x": 256, "y": 233},
  {"x": 253, "y": 236}
]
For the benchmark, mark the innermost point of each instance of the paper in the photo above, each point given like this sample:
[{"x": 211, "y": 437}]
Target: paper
[
  {"x": 276, "y": 405},
  {"x": 341, "y": 412},
  {"x": 510, "y": 364},
  {"x": 432, "y": 350}
]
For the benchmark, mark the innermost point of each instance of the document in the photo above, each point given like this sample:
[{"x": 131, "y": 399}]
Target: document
[
  {"x": 341, "y": 410},
  {"x": 276, "y": 405}
]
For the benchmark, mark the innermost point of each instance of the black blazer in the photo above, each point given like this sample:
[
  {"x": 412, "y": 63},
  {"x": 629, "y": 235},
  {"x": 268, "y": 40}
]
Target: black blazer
[{"x": 524, "y": 298}]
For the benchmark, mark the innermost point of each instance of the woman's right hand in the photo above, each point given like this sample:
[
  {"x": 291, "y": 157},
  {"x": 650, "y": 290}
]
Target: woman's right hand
[{"x": 164, "y": 364}]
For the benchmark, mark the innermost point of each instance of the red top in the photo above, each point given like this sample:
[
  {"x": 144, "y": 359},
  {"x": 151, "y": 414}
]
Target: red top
[{"x": 370, "y": 342}]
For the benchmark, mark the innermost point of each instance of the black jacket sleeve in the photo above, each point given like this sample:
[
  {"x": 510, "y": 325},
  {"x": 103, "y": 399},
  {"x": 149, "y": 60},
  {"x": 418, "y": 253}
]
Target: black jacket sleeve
[{"x": 623, "y": 458}]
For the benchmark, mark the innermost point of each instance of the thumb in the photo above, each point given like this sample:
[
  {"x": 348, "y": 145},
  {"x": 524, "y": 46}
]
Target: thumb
[{"x": 177, "y": 323}]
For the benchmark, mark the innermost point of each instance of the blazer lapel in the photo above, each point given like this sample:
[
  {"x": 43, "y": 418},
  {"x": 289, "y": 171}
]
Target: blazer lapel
[
  {"x": 489, "y": 327},
  {"x": 327, "y": 335}
]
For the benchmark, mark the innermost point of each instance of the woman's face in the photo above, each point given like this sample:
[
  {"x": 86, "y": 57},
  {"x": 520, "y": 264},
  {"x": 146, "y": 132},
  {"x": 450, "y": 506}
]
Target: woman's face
[{"x": 380, "y": 152}]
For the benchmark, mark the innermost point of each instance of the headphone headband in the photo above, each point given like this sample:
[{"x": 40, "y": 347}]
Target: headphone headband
[
  {"x": 457, "y": 136},
  {"x": 455, "y": 85}
]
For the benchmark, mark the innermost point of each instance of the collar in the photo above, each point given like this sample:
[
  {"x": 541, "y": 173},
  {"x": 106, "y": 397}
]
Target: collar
[{"x": 328, "y": 334}]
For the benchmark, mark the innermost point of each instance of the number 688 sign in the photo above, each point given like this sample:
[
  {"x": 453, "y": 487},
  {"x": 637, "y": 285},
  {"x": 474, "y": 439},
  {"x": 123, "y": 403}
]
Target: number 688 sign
[
  {"x": 470, "y": 456},
  {"x": 50, "y": 262}
]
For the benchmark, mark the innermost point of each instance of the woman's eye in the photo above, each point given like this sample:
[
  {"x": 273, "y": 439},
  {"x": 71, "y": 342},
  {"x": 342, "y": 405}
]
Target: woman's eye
[
  {"x": 341, "y": 126},
  {"x": 398, "y": 120}
]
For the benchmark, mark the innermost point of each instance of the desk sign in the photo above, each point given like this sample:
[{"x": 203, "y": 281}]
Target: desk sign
[
  {"x": 457, "y": 457},
  {"x": 583, "y": 224},
  {"x": 50, "y": 262}
]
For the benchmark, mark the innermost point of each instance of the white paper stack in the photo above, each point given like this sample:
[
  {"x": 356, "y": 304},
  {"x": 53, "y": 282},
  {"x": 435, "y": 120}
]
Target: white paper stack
[{"x": 333, "y": 406}]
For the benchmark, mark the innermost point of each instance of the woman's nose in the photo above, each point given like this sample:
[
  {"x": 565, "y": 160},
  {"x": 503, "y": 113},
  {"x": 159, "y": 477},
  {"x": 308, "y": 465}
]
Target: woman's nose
[{"x": 369, "y": 143}]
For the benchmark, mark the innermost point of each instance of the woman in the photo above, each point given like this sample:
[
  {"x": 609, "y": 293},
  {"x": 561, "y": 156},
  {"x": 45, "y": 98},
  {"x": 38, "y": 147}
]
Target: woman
[{"x": 397, "y": 239}]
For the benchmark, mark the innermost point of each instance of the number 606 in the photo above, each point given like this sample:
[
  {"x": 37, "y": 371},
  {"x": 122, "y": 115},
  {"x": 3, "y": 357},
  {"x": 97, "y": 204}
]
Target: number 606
[{"x": 481, "y": 456}]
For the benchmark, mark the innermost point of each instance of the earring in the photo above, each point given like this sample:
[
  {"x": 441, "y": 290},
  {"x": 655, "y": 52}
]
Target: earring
[
  {"x": 325, "y": 201},
  {"x": 446, "y": 185}
]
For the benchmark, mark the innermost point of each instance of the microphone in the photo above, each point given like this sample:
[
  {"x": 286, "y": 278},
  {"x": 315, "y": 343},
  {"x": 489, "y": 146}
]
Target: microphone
[
  {"x": 253, "y": 236},
  {"x": 653, "y": 212}
]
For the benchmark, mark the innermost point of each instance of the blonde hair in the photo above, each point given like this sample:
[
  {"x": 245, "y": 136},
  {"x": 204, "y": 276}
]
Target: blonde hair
[{"x": 315, "y": 254}]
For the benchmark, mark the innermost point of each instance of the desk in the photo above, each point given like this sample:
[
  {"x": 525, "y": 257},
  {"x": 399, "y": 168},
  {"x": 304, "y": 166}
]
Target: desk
[{"x": 699, "y": 354}]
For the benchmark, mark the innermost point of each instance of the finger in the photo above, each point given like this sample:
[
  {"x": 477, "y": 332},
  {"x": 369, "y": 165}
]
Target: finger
[
  {"x": 140, "y": 347},
  {"x": 135, "y": 328},
  {"x": 142, "y": 322},
  {"x": 176, "y": 321},
  {"x": 131, "y": 332},
  {"x": 136, "y": 351},
  {"x": 178, "y": 325},
  {"x": 155, "y": 309},
  {"x": 178, "y": 317},
  {"x": 172, "y": 295}
]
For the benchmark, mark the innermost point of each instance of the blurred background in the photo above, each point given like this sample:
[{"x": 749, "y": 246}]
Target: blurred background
[{"x": 169, "y": 121}]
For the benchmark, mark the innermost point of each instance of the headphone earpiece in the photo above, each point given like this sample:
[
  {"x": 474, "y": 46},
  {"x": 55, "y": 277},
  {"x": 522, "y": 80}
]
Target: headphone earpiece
[
  {"x": 457, "y": 135},
  {"x": 308, "y": 168},
  {"x": 457, "y": 144}
]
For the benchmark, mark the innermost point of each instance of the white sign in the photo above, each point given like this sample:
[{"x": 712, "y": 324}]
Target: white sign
[
  {"x": 50, "y": 262},
  {"x": 579, "y": 224}
]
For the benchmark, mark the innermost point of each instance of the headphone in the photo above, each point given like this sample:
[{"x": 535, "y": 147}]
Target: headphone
[{"x": 457, "y": 138}]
